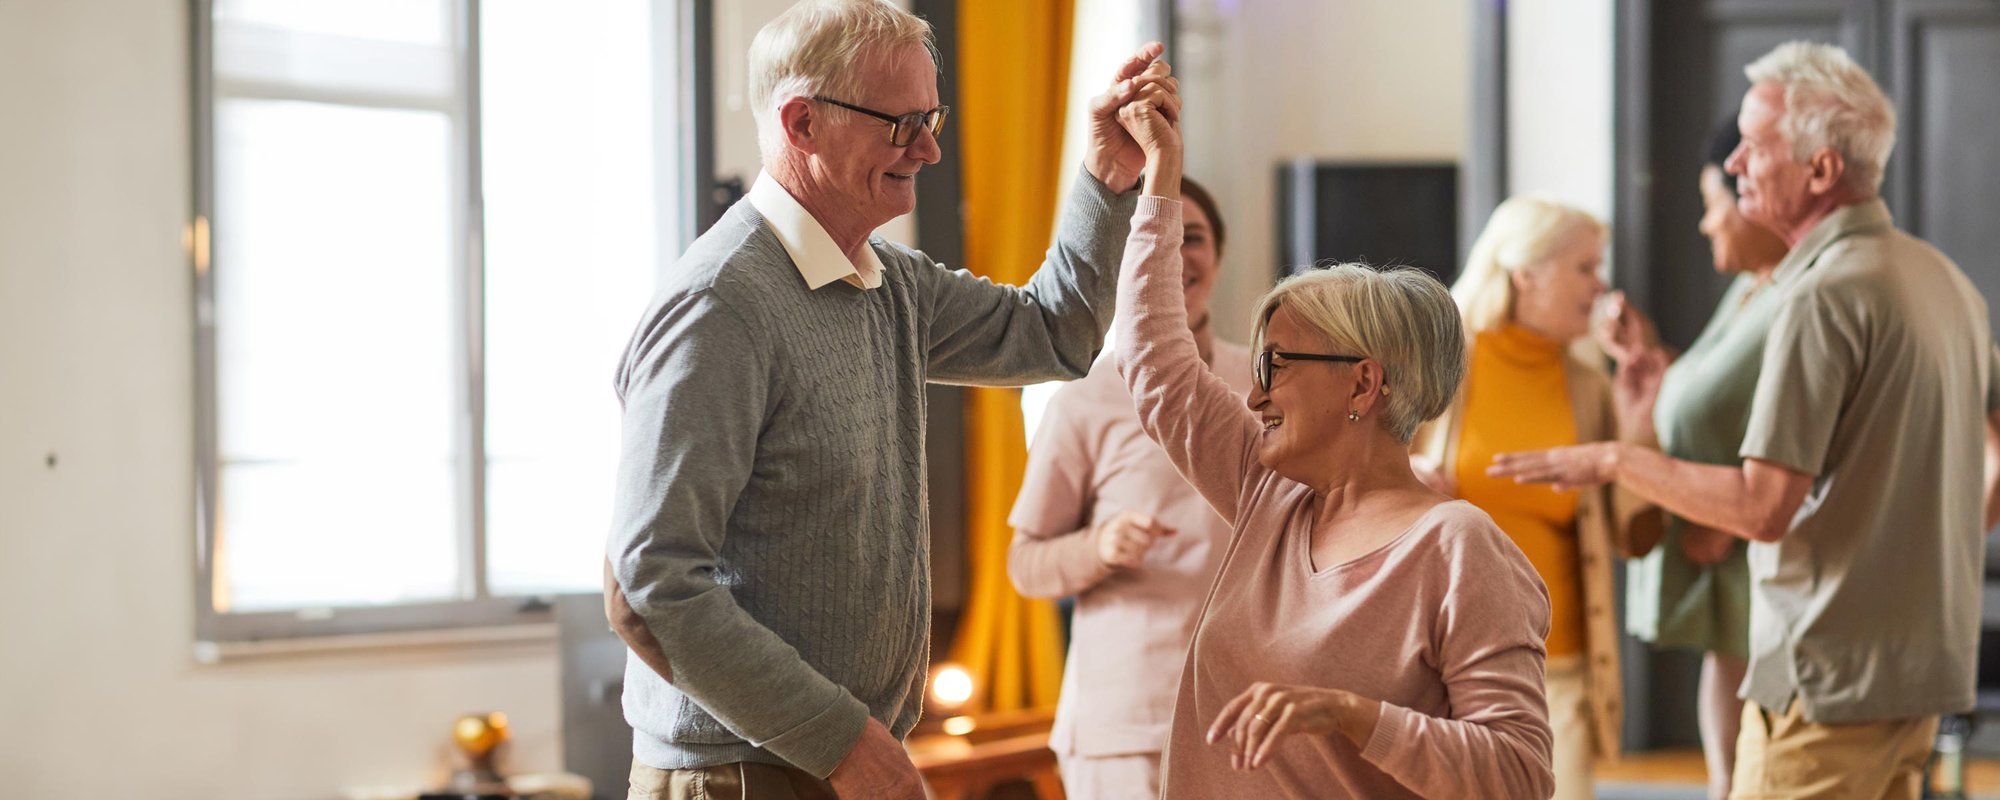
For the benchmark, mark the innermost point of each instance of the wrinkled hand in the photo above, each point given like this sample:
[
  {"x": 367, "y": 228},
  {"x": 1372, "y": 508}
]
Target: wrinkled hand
[
  {"x": 1636, "y": 388},
  {"x": 1153, "y": 117},
  {"x": 1122, "y": 540},
  {"x": 1704, "y": 545},
  {"x": 1625, "y": 332},
  {"x": 878, "y": 766},
  {"x": 1563, "y": 468},
  {"x": 1432, "y": 474},
  {"x": 1266, "y": 712},
  {"x": 1113, "y": 157}
]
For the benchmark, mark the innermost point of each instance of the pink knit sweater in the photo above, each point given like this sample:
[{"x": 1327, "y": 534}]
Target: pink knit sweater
[{"x": 1444, "y": 624}]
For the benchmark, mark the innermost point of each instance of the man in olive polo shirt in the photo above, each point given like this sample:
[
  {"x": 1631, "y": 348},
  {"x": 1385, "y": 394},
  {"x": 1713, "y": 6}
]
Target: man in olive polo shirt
[{"x": 1863, "y": 463}]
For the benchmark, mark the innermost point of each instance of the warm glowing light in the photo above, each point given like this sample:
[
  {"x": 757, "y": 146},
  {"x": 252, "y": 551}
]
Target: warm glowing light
[
  {"x": 958, "y": 726},
  {"x": 951, "y": 686}
]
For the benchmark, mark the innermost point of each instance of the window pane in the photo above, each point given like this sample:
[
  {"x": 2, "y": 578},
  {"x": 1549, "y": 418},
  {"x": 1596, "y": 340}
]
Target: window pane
[
  {"x": 412, "y": 21},
  {"x": 336, "y": 362},
  {"x": 574, "y": 232},
  {"x": 319, "y": 533}
]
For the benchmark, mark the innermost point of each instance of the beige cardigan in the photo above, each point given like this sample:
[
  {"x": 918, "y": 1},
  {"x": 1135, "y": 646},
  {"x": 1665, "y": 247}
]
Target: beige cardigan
[{"x": 1610, "y": 523}]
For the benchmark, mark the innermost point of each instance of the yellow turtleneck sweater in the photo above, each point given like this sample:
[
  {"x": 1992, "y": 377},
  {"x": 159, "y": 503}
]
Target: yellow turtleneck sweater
[{"x": 1517, "y": 398}]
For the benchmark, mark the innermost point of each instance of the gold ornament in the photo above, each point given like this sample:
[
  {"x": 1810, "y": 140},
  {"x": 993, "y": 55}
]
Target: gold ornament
[{"x": 478, "y": 734}]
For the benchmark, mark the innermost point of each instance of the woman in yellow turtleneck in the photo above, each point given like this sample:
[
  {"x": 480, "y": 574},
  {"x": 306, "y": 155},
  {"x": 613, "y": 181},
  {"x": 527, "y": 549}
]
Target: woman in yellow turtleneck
[{"x": 1527, "y": 293}]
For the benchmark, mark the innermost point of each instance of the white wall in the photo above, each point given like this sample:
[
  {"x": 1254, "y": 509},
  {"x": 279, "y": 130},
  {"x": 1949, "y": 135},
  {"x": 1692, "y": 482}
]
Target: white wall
[
  {"x": 99, "y": 696},
  {"x": 1268, "y": 81},
  {"x": 1559, "y": 112}
]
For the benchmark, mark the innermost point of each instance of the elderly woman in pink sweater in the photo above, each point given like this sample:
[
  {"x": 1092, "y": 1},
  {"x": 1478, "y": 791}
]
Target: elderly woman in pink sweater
[{"x": 1366, "y": 636}]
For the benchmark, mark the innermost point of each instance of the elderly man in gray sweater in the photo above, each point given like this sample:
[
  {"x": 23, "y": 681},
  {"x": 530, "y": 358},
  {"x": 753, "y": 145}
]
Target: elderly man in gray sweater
[{"x": 768, "y": 562}]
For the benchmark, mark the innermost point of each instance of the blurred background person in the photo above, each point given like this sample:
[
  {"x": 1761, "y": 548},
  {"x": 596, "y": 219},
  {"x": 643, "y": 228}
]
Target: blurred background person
[
  {"x": 1526, "y": 295},
  {"x": 1103, "y": 516},
  {"x": 1693, "y": 590},
  {"x": 1862, "y": 477}
]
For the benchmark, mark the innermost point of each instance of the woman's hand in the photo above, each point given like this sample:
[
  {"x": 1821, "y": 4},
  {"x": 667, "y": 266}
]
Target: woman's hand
[
  {"x": 1153, "y": 120},
  {"x": 1122, "y": 540},
  {"x": 1626, "y": 332},
  {"x": 1705, "y": 546},
  {"x": 1266, "y": 712},
  {"x": 1634, "y": 391}
]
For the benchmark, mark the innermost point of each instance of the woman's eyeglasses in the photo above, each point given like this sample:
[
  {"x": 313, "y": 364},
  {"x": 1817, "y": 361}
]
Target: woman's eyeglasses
[{"x": 1265, "y": 367}]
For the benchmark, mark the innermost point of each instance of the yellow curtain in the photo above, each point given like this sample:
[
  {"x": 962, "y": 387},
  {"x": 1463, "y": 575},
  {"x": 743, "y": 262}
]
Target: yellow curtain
[{"x": 1013, "y": 72}]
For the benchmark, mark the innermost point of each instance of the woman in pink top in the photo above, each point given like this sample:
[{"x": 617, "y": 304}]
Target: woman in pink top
[
  {"x": 1366, "y": 636},
  {"x": 1104, "y": 516}
]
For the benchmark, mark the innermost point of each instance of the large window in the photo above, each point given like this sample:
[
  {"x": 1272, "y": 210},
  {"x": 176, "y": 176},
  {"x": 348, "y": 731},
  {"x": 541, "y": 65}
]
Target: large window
[{"x": 426, "y": 227}]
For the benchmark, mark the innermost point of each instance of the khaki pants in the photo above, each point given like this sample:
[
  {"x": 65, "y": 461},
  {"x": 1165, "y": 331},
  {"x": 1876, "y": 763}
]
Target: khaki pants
[
  {"x": 1134, "y": 776},
  {"x": 1784, "y": 757},
  {"x": 1568, "y": 687},
  {"x": 741, "y": 781}
]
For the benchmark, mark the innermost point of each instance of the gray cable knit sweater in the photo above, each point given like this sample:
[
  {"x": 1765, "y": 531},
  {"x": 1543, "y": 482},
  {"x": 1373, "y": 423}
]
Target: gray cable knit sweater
[{"x": 769, "y": 521}]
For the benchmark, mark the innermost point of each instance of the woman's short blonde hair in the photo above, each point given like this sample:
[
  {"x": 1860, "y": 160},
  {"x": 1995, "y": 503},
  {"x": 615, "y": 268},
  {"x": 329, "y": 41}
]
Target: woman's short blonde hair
[
  {"x": 1523, "y": 232},
  {"x": 820, "y": 47},
  {"x": 1401, "y": 317}
]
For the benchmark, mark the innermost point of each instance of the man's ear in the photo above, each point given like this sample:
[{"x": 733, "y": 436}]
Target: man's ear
[
  {"x": 1829, "y": 169},
  {"x": 799, "y": 122}
]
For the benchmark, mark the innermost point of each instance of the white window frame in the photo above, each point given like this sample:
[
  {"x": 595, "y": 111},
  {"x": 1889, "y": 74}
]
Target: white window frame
[{"x": 680, "y": 80}]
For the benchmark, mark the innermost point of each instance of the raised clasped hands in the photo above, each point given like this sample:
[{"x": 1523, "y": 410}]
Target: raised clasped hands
[{"x": 1116, "y": 156}]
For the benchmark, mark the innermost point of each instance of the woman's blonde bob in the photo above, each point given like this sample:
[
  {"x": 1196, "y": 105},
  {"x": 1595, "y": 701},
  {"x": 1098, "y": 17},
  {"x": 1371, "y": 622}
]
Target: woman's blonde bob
[
  {"x": 1523, "y": 232},
  {"x": 1401, "y": 317}
]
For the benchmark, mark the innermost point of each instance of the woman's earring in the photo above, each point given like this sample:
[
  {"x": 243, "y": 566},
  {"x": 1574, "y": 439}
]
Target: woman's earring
[{"x": 1353, "y": 416}]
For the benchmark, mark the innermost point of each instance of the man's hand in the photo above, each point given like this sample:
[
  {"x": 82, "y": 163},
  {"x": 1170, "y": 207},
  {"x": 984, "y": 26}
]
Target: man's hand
[
  {"x": 1564, "y": 468},
  {"x": 1122, "y": 541},
  {"x": 878, "y": 766},
  {"x": 1113, "y": 158}
]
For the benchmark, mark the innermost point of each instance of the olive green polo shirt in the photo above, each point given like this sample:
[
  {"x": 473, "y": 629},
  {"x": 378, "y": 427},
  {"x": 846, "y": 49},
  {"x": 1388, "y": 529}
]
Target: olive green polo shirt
[{"x": 1878, "y": 374}]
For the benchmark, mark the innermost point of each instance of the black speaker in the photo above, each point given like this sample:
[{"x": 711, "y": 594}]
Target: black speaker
[{"x": 1384, "y": 214}]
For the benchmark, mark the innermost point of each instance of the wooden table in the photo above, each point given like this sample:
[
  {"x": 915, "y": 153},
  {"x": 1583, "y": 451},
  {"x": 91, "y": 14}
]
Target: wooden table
[{"x": 1010, "y": 746}]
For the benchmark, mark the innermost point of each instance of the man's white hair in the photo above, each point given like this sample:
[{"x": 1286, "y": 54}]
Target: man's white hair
[
  {"x": 820, "y": 47},
  {"x": 1830, "y": 101}
]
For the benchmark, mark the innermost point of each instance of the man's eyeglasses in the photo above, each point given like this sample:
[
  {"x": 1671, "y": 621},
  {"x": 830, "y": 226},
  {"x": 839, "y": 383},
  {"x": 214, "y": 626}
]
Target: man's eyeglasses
[
  {"x": 1265, "y": 366},
  {"x": 903, "y": 129}
]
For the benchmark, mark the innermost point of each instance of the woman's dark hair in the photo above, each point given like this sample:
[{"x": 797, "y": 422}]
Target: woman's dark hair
[
  {"x": 1721, "y": 142},
  {"x": 1201, "y": 197}
]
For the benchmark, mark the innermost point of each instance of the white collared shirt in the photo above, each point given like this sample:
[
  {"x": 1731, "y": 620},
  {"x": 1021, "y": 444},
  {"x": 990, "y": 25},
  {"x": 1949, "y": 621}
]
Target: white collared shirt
[{"x": 819, "y": 260}]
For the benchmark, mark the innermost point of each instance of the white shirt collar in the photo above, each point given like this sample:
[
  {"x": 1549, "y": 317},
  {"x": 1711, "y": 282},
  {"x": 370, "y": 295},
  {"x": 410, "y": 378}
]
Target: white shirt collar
[{"x": 819, "y": 260}]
